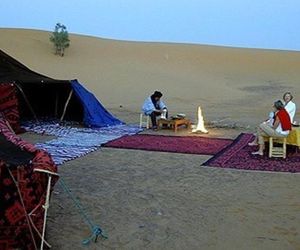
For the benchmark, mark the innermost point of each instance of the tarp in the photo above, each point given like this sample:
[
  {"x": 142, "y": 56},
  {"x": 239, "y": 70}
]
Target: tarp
[{"x": 94, "y": 114}]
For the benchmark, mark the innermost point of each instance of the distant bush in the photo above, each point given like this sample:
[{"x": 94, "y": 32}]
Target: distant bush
[{"x": 60, "y": 39}]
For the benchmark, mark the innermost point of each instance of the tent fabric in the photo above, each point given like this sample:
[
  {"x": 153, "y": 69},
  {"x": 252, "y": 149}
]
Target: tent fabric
[
  {"x": 14, "y": 227},
  {"x": 95, "y": 115},
  {"x": 9, "y": 105},
  {"x": 48, "y": 96},
  {"x": 13, "y": 71},
  {"x": 12, "y": 154}
]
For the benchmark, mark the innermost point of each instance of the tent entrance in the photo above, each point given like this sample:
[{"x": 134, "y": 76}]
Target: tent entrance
[{"x": 48, "y": 101}]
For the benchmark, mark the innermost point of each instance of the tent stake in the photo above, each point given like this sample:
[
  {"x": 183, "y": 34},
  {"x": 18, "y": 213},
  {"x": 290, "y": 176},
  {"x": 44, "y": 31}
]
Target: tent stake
[
  {"x": 66, "y": 105},
  {"x": 27, "y": 102}
]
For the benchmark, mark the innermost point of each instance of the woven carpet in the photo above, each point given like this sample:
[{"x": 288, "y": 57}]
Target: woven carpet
[
  {"x": 175, "y": 144},
  {"x": 72, "y": 142},
  {"x": 238, "y": 155}
]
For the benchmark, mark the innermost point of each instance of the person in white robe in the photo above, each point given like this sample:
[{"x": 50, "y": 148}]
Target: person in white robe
[
  {"x": 289, "y": 105},
  {"x": 154, "y": 107}
]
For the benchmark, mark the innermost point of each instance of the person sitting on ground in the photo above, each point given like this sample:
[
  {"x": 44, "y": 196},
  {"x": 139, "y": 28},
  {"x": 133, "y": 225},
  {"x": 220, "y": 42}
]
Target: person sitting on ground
[
  {"x": 154, "y": 106},
  {"x": 289, "y": 105},
  {"x": 281, "y": 128}
]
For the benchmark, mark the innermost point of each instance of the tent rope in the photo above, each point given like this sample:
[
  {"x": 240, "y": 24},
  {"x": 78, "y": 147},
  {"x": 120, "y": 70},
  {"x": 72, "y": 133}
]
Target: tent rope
[
  {"x": 23, "y": 206},
  {"x": 96, "y": 231}
]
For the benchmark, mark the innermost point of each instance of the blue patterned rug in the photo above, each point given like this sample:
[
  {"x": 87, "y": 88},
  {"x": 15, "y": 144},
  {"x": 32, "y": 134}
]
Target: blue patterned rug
[{"x": 72, "y": 142}]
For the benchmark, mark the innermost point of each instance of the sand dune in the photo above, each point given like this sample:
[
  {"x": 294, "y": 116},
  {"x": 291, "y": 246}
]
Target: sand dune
[{"x": 239, "y": 85}]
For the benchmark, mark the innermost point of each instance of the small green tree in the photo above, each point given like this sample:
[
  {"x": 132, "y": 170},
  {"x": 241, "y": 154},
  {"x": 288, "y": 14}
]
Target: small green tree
[{"x": 60, "y": 39}]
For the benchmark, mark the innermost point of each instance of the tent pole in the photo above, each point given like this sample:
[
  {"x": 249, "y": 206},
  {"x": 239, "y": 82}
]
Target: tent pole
[
  {"x": 66, "y": 105},
  {"x": 47, "y": 198},
  {"x": 27, "y": 102}
]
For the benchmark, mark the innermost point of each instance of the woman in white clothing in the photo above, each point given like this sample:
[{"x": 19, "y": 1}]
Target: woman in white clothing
[
  {"x": 289, "y": 106},
  {"x": 280, "y": 128}
]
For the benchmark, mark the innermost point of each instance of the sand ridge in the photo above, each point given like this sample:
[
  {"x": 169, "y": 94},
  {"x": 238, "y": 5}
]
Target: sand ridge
[{"x": 236, "y": 84}]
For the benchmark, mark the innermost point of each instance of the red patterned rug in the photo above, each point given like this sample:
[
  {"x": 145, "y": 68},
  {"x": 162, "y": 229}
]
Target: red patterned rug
[
  {"x": 174, "y": 144},
  {"x": 238, "y": 155}
]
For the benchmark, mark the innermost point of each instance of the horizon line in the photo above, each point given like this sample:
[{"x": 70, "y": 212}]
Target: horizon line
[{"x": 161, "y": 42}]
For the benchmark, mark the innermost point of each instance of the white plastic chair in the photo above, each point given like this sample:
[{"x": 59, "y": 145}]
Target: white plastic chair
[{"x": 143, "y": 122}]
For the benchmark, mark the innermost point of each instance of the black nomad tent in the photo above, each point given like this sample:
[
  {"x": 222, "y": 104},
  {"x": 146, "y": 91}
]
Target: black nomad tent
[{"x": 41, "y": 96}]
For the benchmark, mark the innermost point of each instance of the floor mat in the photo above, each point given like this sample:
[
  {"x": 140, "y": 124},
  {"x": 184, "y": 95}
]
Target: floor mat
[
  {"x": 238, "y": 155},
  {"x": 175, "y": 144},
  {"x": 72, "y": 142}
]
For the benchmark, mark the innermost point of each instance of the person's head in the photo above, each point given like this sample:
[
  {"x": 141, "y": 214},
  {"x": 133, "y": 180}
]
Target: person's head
[
  {"x": 278, "y": 105},
  {"x": 157, "y": 95},
  {"x": 287, "y": 97}
]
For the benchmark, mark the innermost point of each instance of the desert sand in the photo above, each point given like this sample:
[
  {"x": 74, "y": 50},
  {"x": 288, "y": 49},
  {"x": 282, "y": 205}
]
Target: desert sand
[
  {"x": 232, "y": 85},
  {"x": 152, "y": 200}
]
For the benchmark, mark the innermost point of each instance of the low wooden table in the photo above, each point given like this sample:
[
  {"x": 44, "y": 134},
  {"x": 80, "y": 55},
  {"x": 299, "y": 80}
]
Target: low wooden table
[{"x": 174, "y": 123}]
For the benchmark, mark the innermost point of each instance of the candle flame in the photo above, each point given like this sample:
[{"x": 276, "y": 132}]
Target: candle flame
[{"x": 200, "y": 125}]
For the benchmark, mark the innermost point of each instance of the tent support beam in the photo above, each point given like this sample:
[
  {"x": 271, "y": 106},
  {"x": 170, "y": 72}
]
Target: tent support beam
[
  {"x": 66, "y": 105},
  {"x": 27, "y": 102}
]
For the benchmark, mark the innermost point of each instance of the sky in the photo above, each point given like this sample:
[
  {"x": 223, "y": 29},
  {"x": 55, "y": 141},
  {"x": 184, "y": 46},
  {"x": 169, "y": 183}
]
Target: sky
[{"x": 270, "y": 24}]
